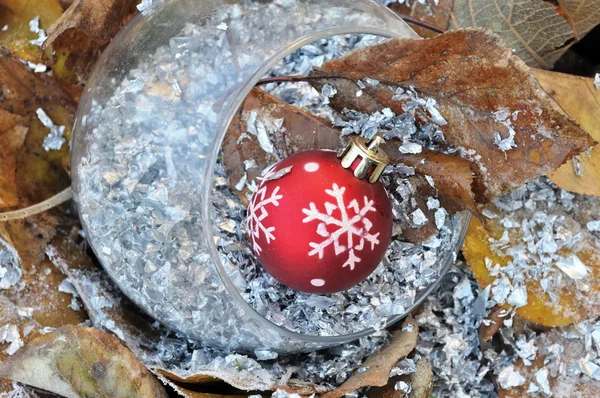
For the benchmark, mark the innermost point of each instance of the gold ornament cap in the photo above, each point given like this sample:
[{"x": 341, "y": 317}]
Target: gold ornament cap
[{"x": 373, "y": 159}]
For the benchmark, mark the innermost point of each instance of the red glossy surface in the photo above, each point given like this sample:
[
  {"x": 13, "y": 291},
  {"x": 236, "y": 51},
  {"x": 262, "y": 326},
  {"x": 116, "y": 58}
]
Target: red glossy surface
[{"x": 319, "y": 229}]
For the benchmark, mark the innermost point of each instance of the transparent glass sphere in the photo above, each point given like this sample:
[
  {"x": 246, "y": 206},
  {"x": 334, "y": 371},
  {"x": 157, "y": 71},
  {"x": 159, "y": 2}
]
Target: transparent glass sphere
[{"x": 147, "y": 136}]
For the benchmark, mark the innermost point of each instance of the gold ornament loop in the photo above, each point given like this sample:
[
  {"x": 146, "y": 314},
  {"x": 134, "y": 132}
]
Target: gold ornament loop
[{"x": 373, "y": 159}]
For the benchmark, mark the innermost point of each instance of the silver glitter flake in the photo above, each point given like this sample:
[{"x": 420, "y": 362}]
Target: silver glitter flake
[
  {"x": 34, "y": 26},
  {"x": 597, "y": 81},
  {"x": 509, "y": 378},
  {"x": 402, "y": 386},
  {"x": 593, "y": 226},
  {"x": 573, "y": 267},
  {"x": 9, "y": 333},
  {"x": 10, "y": 265},
  {"x": 55, "y": 139}
]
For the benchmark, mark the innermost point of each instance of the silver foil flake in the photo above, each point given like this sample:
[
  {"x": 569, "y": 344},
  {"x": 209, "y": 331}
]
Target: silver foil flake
[
  {"x": 541, "y": 378},
  {"x": 419, "y": 218},
  {"x": 327, "y": 92},
  {"x": 518, "y": 297},
  {"x": 277, "y": 175},
  {"x": 509, "y": 378},
  {"x": 410, "y": 147},
  {"x": 505, "y": 144},
  {"x": 577, "y": 166},
  {"x": 573, "y": 267},
  {"x": 55, "y": 139},
  {"x": 597, "y": 81},
  {"x": 34, "y": 26},
  {"x": 371, "y": 82},
  {"x": 403, "y": 386},
  {"x": 593, "y": 226},
  {"x": 10, "y": 265},
  {"x": 9, "y": 333}
]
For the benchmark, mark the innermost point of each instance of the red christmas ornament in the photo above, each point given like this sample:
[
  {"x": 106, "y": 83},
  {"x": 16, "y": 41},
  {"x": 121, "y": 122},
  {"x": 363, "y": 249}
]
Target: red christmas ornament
[{"x": 318, "y": 227}]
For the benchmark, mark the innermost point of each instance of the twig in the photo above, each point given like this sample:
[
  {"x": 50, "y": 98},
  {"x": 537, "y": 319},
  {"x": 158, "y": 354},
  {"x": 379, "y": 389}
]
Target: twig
[
  {"x": 47, "y": 204},
  {"x": 285, "y": 79},
  {"x": 418, "y": 22}
]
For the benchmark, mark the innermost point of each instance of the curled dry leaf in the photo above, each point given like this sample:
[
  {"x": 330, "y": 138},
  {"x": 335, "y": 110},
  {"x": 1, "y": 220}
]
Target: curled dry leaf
[
  {"x": 300, "y": 131},
  {"x": 578, "y": 98},
  {"x": 539, "y": 31},
  {"x": 100, "y": 20},
  {"x": 421, "y": 383},
  {"x": 16, "y": 16},
  {"x": 381, "y": 363},
  {"x": 77, "y": 361},
  {"x": 481, "y": 89},
  {"x": 495, "y": 321}
]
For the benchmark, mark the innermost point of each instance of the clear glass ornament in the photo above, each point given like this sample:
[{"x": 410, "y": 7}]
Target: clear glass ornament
[{"x": 144, "y": 153}]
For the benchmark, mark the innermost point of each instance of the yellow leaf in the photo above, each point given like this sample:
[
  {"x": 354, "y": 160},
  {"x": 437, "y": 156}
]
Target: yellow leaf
[
  {"x": 578, "y": 98},
  {"x": 16, "y": 15},
  {"x": 571, "y": 306}
]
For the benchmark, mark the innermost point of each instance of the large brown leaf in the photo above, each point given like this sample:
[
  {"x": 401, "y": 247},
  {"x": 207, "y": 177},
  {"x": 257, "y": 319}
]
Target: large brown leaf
[
  {"x": 75, "y": 361},
  {"x": 98, "y": 19},
  {"x": 381, "y": 363},
  {"x": 301, "y": 131},
  {"x": 539, "y": 31},
  {"x": 475, "y": 79}
]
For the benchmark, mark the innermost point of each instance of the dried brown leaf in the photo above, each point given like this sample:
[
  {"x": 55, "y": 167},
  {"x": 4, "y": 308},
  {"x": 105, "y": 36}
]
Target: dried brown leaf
[
  {"x": 40, "y": 174},
  {"x": 421, "y": 383},
  {"x": 76, "y": 361},
  {"x": 539, "y": 31},
  {"x": 577, "y": 97},
  {"x": 381, "y": 363},
  {"x": 471, "y": 74},
  {"x": 436, "y": 14},
  {"x": 452, "y": 176},
  {"x": 12, "y": 137},
  {"x": 100, "y": 20},
  {"x": 496, "y": 318},
  {"x": 303, "y": 131}
]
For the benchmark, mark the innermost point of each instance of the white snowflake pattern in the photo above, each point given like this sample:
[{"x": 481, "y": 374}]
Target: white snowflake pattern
[
  {"x": 257, "y": 213},
  {"x": 346, "y": 225}
]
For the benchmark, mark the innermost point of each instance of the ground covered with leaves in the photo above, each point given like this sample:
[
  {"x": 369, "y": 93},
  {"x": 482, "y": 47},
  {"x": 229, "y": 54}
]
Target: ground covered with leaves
[{"x": 470, "y": 125}]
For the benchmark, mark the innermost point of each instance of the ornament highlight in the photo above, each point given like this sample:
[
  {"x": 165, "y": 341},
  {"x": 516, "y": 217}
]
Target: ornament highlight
[{"x": 317, "y": 227}]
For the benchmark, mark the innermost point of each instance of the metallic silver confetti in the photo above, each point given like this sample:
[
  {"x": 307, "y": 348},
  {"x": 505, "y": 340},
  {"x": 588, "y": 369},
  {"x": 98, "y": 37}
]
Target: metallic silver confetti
[{"x": 55, "y": 139}]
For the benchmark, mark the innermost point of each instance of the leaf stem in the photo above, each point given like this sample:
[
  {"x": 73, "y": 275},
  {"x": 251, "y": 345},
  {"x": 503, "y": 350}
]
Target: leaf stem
[{"x": 418, "y": 22}]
